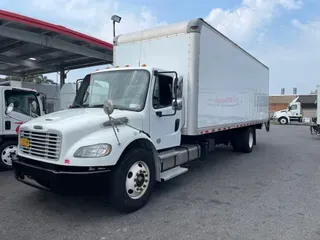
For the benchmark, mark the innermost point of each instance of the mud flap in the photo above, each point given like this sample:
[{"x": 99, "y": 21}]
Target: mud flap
[{"x": 267, "y": 124}]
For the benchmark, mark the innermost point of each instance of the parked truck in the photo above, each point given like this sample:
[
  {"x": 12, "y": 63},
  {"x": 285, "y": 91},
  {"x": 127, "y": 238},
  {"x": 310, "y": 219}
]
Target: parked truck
[
  {"x": 315, "y": 125},
  {"x": 293, "y": 113},
  {"x": 175, "y": 93},
  {"x": 18, "y": 105}
]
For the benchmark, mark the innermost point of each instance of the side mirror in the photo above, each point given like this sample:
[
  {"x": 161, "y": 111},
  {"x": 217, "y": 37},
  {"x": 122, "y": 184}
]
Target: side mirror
[
  {"x": 78, "y": 84},
  {"x": 177, "y": 104},
  {"x": 33, "y": 106},
  {"x": 9, "y": 109},
  {"x": 43, "y": 98},
  {"x": 108, "y": 107},
  {"x": 86, "y": 95},
  {"x": 175, "y": 87}
]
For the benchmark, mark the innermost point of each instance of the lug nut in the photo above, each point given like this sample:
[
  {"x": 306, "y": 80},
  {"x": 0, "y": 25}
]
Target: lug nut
[{"x": 144, "y": 186}]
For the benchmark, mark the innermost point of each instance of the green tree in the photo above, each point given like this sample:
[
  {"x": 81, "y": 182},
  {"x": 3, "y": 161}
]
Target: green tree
[{"x": 38, "y": 78}]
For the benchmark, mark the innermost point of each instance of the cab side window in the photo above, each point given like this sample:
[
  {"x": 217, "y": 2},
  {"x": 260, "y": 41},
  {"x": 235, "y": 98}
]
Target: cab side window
[
  {"x": 162, "y": 93},
  {"x": 294, "y": 107},
  {"x": 21, "y": 101}
]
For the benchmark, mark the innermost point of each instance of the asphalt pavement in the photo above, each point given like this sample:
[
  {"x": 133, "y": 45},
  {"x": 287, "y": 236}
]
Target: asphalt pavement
[{"x": 272, "y": 193}]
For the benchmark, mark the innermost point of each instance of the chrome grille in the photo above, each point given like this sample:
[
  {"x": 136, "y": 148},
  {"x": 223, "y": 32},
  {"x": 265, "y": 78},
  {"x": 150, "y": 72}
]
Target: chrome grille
[{"x": 43, "y": 145}]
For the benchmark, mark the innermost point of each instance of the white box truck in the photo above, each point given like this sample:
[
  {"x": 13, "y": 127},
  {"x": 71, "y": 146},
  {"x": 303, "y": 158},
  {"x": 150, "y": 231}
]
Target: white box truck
[
  {"x": 175, "y": 93},
  {"x": 18, "y": 105},
  {"x": 315, "y": 125}
]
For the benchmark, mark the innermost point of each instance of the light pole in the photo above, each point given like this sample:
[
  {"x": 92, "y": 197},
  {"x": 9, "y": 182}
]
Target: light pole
[{"x": 115, "y": 18}]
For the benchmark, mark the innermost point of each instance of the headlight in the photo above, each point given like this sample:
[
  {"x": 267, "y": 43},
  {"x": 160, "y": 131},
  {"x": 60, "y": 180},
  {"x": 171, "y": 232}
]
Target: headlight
[{"x": 94, "y": 151}]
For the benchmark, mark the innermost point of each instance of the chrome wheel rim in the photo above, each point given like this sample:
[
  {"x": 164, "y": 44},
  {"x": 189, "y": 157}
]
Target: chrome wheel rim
[
  {"x": 7, "y": 154},
  {"x": 137, "y": 180},
  {"x": 250, "y": 139}
]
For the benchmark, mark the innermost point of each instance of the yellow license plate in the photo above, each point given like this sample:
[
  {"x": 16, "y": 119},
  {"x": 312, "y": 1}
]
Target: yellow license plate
[{"x": 24, "y": 142}]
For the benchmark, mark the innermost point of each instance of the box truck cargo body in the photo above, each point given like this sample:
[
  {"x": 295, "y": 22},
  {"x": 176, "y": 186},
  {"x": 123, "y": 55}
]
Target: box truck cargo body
[
  {"x": 174, "y": 94},
  {"x": 223, "y": 84}
]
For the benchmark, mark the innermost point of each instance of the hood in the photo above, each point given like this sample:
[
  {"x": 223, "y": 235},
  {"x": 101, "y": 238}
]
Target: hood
[
  {"x": 78, "y": 119},
  {"x": 281, "y": 111}
]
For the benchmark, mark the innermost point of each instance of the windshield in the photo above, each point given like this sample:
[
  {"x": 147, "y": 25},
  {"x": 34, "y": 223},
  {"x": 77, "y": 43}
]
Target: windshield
[
  {"x": 127, "y": 89},
  {"x": 21, "y": 101}
]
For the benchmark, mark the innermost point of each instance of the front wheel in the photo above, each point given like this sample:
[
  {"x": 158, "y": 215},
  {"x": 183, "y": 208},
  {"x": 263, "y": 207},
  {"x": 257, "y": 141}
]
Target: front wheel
[
  {"x": 283, "y": 120},
  {"x": 8, "y": 149},
  {"x": 133, "y": 180}
]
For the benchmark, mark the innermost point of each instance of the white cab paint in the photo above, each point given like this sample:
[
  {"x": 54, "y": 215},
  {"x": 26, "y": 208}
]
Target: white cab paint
[
  {"x": 76, "y": 131},
  {"x": 16, "y": 118}
]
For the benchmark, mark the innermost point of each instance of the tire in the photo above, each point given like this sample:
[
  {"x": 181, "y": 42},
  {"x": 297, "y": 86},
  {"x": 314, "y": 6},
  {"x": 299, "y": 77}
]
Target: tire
[
  {"x": 244, "y": 141},
  {"x": 130, "y": 188},
  {"x": 7, "y": 149},
  {"x": 283, "y": 120},
  {"x": 235, "y": 144}
]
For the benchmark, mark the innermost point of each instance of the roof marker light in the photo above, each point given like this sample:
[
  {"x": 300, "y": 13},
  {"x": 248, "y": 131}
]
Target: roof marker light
[
  {"x": 143, "y": 65},
  {"x": 127, "y": 65}
]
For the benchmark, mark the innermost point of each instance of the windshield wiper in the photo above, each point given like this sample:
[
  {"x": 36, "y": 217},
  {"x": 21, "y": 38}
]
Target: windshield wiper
[
  {"x": 115, "y": 106},
  {"x": 79, "y": 105}
]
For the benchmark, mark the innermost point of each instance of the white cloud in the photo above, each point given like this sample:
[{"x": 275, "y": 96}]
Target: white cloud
[
  {"x": 93, "y": 16},
  {"x": 296, "y": 64},
  {"x": 293, "y": 63},
  {"x": 247, "y": 21}
]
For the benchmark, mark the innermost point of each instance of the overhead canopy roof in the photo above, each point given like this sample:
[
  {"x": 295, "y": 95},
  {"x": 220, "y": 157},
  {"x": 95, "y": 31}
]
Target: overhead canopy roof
[{"x": 29, "y": 46}]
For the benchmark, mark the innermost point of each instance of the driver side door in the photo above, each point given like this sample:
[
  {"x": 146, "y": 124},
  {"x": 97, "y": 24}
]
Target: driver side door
[{"x": 165, "y": 131}]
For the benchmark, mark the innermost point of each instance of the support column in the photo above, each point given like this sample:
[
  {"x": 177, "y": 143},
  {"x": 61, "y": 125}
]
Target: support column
[{"x": 62, "y": 76}]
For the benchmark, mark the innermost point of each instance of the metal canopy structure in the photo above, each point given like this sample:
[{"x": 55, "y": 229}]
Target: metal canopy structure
[{"x": 29, "y": 46}]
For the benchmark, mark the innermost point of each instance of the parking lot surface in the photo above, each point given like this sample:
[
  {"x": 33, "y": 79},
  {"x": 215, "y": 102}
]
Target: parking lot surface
[{"x": 272, "y": 193}]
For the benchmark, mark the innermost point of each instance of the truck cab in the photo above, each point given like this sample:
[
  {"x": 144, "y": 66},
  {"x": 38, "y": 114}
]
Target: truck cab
[
  {"x": 292, "y": 113},
  {"x": 19, "y": 105}
]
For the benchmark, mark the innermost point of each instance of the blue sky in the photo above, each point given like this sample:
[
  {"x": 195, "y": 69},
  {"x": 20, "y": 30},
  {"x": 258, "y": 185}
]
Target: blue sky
[{"x": 284, "y": 34}]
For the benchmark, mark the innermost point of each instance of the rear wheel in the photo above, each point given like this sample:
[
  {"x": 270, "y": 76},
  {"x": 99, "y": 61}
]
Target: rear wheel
[
  {"x": 133, "y": 180},
  {"x": 7, "y": 150},
  {"x": 244, "y": 141}
]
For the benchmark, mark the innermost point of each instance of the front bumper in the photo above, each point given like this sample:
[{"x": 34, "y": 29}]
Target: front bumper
[{"x": 56, "y": 178}]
